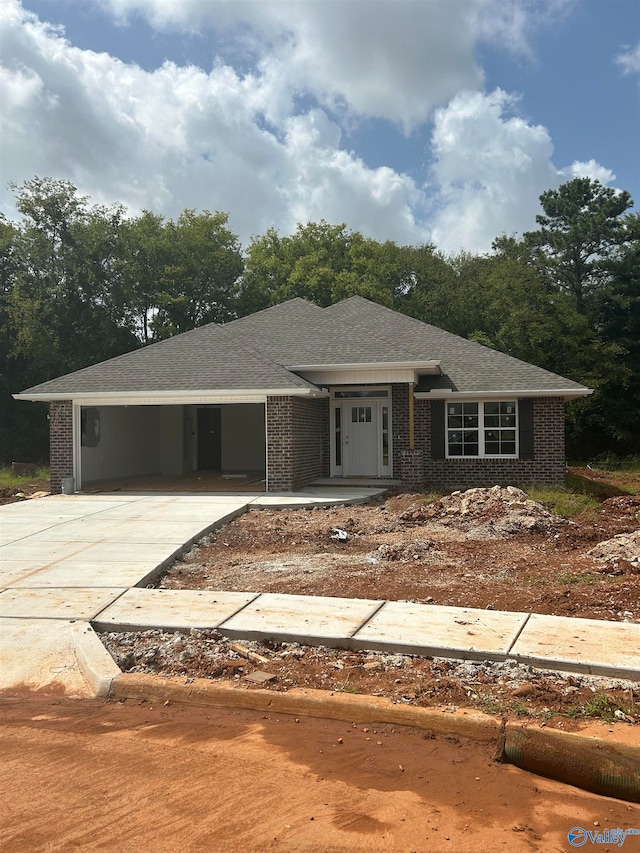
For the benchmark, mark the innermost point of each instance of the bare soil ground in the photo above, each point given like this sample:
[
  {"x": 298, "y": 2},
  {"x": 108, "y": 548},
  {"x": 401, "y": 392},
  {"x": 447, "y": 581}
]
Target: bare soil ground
[
  {"x": 90, "y": 776},
  {"x": 482, "y": 548},
  {"x": 30, "y": 489}
]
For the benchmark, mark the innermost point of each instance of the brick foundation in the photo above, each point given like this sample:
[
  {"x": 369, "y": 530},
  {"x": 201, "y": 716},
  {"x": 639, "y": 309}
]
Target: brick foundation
[
  {"x": 60, "y": 442},
  {"x": 412, "y": 470}
]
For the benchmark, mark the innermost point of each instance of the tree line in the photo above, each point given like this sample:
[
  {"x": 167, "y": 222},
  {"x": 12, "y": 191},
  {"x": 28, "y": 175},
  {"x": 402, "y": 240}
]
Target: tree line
[{"x": 81, "y": 282}]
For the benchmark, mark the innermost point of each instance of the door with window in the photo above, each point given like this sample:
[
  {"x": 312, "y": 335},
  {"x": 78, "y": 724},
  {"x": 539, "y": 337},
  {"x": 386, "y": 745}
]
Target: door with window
[
  {"x": 361, "y": 440},
  {"x": 361, "y": 422}
]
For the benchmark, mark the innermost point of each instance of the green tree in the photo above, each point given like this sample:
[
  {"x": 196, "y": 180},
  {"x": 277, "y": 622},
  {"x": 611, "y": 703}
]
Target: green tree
[
  {"x": 322, "y": 263},
  {"x": 583, "y": 228},
  {"x": 431, "y": 289},
  {"x": 57, "y": 312},
  {"x": 143, "y": 254},
  {"x": 203, "y": 263}
]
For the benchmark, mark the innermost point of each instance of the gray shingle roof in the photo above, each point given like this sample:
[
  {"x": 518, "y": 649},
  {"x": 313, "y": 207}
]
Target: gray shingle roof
[
  {"x": 298, "y": 332},
  {"x": 205, "y": 359},
  {"x": 466, "y": 365},
  {"x": 252, "y": 353}
]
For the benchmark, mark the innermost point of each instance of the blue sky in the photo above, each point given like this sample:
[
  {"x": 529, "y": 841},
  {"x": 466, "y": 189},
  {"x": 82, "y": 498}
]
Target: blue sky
[{"x": 412, "y": 120}]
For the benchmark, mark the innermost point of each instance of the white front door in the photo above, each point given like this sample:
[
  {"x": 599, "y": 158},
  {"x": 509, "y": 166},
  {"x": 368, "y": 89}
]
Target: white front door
[{"x": 361, "y": 439}]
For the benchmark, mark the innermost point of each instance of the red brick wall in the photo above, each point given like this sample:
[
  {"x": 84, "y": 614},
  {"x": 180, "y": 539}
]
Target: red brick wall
[
  {"x": 297, "y": 442},
  {"x": 298, "y": 435},
  {"x": 60, "y": 442},
  {"x": 546, "y": 468},
  {"x": 403, "y": 457}
]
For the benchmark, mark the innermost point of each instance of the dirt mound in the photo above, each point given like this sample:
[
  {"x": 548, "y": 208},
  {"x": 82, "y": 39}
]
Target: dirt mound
[
  {"x": 35, "y": 489},
  {"x": 411, "y": 551},
  {"x": 618, "y": 555},
  {"x": 497, "y": 511}
]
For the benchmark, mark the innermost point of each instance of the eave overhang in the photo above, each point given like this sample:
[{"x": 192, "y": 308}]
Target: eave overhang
[
  {"x": 167, "y": 398},
  {"x": 450, "y": 394},
  {"x": 431, "y": 366}
]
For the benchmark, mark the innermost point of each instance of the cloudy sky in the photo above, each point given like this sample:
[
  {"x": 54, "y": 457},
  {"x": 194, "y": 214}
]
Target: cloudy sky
[{"x": 411, "y": 120}]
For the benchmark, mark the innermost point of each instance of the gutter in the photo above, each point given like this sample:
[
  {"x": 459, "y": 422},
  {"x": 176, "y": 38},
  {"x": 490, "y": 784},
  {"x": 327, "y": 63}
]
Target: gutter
[
  {"x": 164, "y": 397},
  {"x": 450, "y": 394}
]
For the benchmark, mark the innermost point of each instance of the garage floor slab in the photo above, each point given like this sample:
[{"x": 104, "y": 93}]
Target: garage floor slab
[{"x": 426, "y": 629}]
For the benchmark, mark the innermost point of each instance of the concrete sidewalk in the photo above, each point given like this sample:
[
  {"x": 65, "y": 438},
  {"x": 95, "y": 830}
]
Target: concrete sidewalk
[{"x": 67, "y": 563}]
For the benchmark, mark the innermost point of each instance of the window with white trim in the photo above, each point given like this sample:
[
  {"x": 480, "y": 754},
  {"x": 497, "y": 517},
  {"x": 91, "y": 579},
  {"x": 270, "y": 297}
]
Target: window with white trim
[{"x": 487, "y": 428}]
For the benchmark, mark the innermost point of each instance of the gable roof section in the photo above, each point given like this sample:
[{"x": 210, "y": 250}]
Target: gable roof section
[
  {"x": 204, "y": 359},
  {"x": 466, "y": 366},
  {"x": 297, "y": 332}
]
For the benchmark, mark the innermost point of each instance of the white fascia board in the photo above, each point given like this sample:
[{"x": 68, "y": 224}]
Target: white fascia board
[
  {"x": 450, "y": 394},
  {"x": 167, "y": 398},
  {"x": 431, "y": 366}
]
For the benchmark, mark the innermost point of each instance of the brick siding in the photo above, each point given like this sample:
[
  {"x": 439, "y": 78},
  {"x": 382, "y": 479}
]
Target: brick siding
[
  {"x": 297, "y": 442},
  {"x": 546, "y": 468},
  {"x": 408, "y": 464},
  {"x": 60, "y": 442}
]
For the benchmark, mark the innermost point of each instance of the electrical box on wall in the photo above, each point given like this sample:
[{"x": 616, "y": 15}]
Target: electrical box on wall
[{"x": 90, "y": 427}]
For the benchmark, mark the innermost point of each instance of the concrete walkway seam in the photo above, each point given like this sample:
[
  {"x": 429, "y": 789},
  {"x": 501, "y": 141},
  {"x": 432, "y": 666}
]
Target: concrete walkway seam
[
  {"x": 96, "y": 664},
  {"x": 517, "y": 636}
]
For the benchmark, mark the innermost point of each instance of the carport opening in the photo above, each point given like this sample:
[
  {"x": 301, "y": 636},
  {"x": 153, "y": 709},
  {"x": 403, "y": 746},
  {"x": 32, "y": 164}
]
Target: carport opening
[{"x": 178, "y": 448}]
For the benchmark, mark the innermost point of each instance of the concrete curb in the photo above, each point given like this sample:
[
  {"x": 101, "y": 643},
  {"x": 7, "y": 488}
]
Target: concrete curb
[
  {"x": 568, "y": 757},
  {"x": 325, "y": 704},
  {"x": 96, "y": 664}
]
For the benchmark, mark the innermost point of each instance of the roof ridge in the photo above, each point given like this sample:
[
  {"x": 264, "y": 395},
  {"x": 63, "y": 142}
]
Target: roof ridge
[{"x": 275, "y": 307}]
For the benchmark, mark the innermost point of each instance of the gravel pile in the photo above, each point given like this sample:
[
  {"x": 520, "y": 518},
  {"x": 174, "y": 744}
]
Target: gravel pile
[
  {"x": 620, "y": 553},
  {"x": 496, "y": 511}
]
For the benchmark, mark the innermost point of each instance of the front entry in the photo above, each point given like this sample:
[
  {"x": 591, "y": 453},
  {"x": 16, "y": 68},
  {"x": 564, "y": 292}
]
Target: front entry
[
  {"x": 209, "y": 439},
  {"x": 361, "y": 445},
  {"x": 361, "y": 440}
]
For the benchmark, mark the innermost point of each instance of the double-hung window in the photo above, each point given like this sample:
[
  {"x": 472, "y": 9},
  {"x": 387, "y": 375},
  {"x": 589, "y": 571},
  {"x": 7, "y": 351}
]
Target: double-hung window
[{"x": 482, "y": 428}]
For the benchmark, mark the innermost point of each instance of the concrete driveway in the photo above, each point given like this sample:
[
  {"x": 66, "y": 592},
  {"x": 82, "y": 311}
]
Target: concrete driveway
[{"x": 64, "y": 559}]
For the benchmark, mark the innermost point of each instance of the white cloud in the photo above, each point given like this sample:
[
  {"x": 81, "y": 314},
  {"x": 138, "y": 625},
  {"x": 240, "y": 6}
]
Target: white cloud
[
  {"x": 629, "y": 60},
  {"x": 180, "y": 137},
  {"x": 590, "y": 169},
  {"x": 392, "y": 59},
  {"x": 490, "y": 168}
]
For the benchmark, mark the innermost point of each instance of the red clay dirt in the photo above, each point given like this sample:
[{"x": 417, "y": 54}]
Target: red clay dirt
[
  {"x": 502, "y": 553},
  {"x": 94, "y": 776},
  {"x": 486, "y": 548}
]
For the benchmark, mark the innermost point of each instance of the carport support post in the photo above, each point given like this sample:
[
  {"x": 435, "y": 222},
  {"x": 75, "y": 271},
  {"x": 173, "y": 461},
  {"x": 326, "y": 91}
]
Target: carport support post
[{"x": 61, "y": 445}]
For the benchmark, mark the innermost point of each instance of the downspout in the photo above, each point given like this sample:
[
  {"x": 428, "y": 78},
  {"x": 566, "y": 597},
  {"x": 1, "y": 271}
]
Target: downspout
[{"x": 411, "y": 429}]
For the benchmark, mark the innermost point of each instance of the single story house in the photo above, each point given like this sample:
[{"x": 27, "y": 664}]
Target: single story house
[{"x": 300, "y": 392}]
